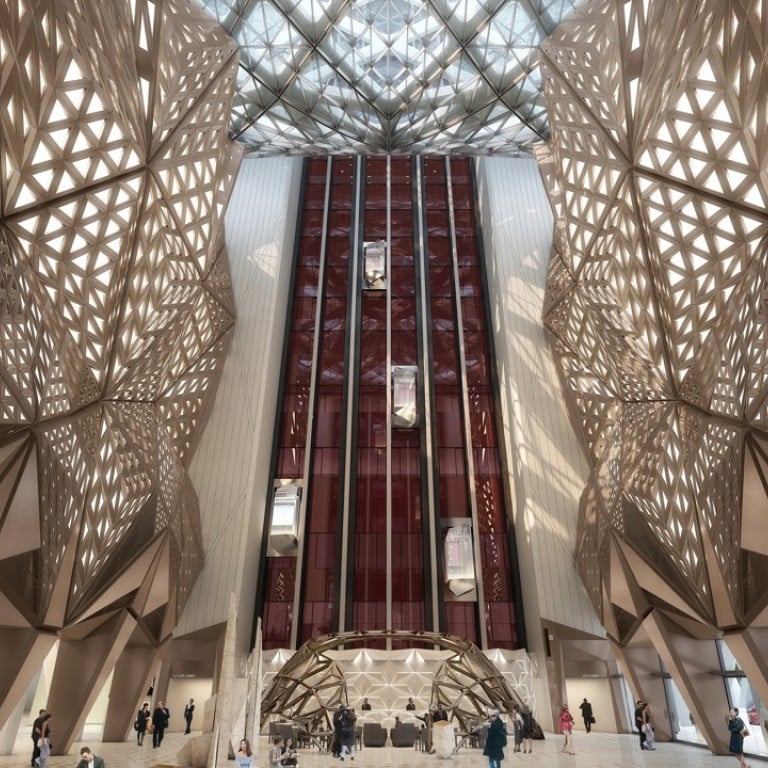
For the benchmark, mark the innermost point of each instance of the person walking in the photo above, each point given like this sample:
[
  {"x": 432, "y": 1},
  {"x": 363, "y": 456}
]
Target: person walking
[
  {"x": 495, "y": 741},
  {"x": 189, "y": 711},
  {"x": 738, "y": 732},
  {"x": 143, "y": 717},
  {"x": 586, "y": 714},
  {"x": 566, "y": 728},
  {"x": 160, "y": 719},
  {"x": 640, "y": 721}
]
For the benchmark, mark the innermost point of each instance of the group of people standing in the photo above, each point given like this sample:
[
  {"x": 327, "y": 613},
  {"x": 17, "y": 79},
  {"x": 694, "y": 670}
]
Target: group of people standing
[
  {"x": 41, "y": 739},
  {"x": 644, "y": 725},
  {"x": 157, "y": 721},
  {"x": 522, "y": 723},
  {"x": 344, "y": 720}
]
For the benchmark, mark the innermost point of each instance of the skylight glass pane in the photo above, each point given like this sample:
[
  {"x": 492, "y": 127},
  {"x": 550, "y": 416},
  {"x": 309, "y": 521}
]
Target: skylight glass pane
[{"x": 370, "y": 68}]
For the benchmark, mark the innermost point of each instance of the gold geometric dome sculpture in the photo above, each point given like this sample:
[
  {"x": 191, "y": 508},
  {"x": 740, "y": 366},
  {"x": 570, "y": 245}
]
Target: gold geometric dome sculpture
[
  {"x": 656, "y": 309},
  {"x": 115, "y": 171}
]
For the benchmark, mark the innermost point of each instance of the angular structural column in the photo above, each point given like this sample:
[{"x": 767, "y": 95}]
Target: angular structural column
[
  {"x": 691, "y": 662},
  {"x": 24, "y": 651},
  {"x": 641, "y": 668},
  {"x": 130, "y": 680},
  {"x": 750, "y": 647},
  {"x": 84, "y": 660}
]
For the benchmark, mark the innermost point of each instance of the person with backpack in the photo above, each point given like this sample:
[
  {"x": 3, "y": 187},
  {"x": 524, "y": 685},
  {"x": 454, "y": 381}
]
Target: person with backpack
[{"x": 495, "y": 741}]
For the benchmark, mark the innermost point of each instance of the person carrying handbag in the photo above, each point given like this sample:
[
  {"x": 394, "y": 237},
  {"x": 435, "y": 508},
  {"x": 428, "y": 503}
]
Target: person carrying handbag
[{"x": 738, "y": 732}]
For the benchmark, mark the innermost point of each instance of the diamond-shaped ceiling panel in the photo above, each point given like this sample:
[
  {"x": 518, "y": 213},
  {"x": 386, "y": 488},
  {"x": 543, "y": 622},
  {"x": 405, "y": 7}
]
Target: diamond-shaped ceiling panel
[{"x": 373, "y": 76}]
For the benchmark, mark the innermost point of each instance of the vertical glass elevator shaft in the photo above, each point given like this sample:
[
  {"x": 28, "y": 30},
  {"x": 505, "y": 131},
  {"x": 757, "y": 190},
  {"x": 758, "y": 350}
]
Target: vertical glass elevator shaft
[{"x": 389, "y": 508}]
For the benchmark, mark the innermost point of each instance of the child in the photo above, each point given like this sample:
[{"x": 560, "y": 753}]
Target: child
[
  {"x": 45, "y": 751},
  {"x": 566, "y": 726}
]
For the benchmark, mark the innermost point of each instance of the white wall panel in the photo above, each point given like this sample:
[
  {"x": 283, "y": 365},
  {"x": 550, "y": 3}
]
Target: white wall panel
[
  {"x": 547, "y": 468},
  {"x": 230, "y": 468}
]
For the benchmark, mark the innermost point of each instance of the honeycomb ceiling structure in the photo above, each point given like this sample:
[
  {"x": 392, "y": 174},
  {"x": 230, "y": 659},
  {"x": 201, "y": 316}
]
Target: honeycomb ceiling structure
[
  {"x": 657, "y": 303},
  {"x": 388, "y": 76},
  {"x": 115, "y": 317}
]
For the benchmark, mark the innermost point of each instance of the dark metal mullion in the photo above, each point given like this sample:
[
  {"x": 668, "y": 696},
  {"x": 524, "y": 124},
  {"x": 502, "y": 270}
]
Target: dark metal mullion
[
  {"x": 309, "y": 456},
  {"x": 434, "y": 607},
  {"x": 345, "y": 551}
]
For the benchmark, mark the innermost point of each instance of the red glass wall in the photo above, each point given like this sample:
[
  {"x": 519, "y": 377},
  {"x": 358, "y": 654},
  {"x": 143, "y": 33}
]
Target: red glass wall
[
  {"x": 370, "y": 510},
  {"x": 495, "y": 568},
  {"x": 322, "y": 526},
  {"x": 450, "y": 447},
  {"x": 408, "y": 608},
  {"x": 327, "y": 282}
]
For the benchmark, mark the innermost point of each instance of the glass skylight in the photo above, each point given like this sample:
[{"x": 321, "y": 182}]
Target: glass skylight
[{"x": 319, "y": 77}]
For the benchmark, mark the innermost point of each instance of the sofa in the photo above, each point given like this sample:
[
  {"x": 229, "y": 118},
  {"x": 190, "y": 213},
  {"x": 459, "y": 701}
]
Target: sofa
[
  {"x": 404, "y": 734},
  {"x": 374, "y": 735}
]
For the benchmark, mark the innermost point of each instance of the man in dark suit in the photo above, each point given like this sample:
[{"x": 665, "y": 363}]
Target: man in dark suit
[
  {"x": 586, "y": 714},
  {"x": 160, "y": 718}
]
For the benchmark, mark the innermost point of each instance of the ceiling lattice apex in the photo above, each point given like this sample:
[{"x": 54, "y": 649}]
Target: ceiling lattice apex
[
  {"x": 655, "y": 305},
  {"x": 389, "y": 76},
  {"x": 117, "y": 307}
]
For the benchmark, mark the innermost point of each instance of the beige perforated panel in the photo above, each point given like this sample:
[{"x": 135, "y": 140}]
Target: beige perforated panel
[{"x": 656, "y": 301}]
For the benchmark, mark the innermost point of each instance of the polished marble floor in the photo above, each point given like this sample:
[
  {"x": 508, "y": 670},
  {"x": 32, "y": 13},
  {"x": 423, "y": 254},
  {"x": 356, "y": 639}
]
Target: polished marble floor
[{"x": 595, "y": 750}]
